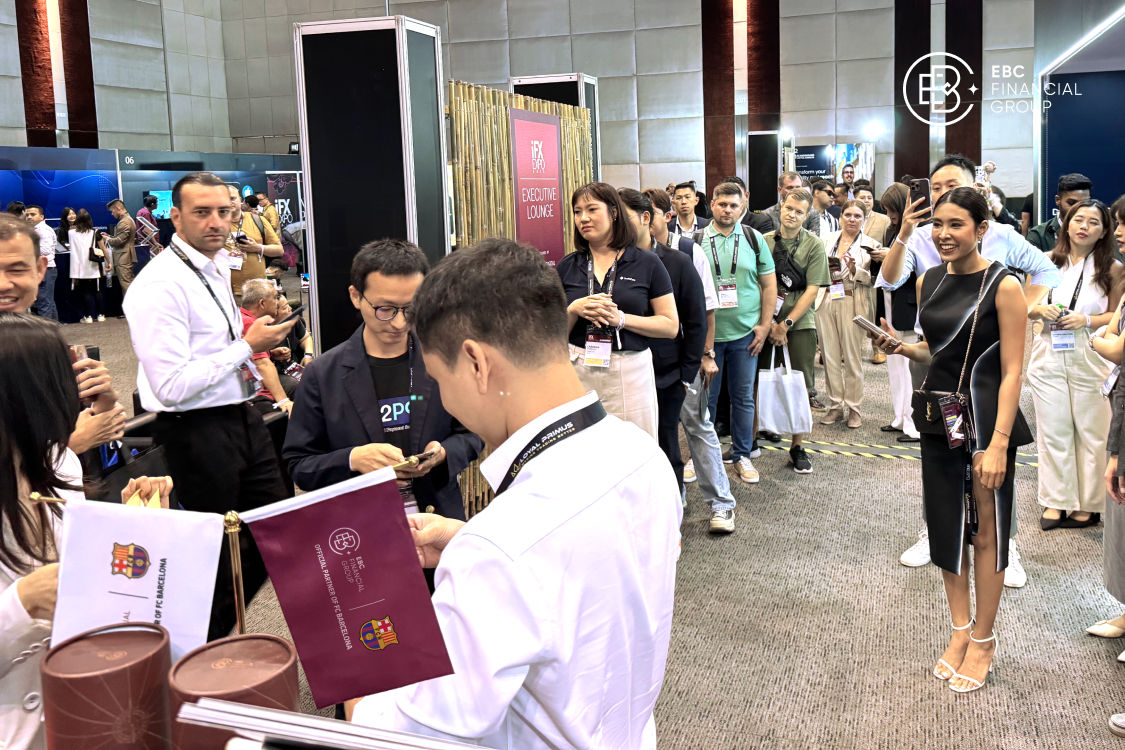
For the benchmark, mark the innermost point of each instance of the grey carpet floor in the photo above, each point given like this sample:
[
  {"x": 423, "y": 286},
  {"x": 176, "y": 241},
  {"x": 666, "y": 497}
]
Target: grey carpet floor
[{"x": 802, "y": 630}]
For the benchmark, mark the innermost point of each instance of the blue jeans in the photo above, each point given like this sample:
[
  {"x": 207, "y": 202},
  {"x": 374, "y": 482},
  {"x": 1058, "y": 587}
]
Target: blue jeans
[
  {"x": 45, "y": 303},
  {"x": 704, "y": 446},
  {"x": 742, "y": 367}
]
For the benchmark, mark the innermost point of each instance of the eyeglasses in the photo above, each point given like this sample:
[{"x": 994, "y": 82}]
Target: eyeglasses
[{"x": 387, "y": 313}]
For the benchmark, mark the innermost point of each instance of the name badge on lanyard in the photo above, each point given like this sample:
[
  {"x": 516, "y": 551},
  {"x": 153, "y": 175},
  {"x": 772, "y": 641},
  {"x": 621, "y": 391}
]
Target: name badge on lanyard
[
  {"x": 1061, "y": 340},
  {"x": 234, "y": 262},
  {"x": 726, "y": 286},
  {"x": 599, "y": 348},
  {"x": 249, "y": 380},
  {"x": 836, "y": 290},
  {"x": 728, "y": 293},
  {"x": 777, "y": 307}
]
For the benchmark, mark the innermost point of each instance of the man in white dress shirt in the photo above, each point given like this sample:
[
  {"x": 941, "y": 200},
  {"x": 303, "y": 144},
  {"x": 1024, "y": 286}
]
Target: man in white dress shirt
[
  {"x": 45, "y": 303},
  {"x": 913, "y": 251},
  {"x": 555, "y": 603},
  {"x": 195, "y": 371}
]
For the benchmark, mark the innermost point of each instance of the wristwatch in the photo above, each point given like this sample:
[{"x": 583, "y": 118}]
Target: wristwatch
[
  {"x": 788, "y": 322},
  {"x": 710, "y": 353}
]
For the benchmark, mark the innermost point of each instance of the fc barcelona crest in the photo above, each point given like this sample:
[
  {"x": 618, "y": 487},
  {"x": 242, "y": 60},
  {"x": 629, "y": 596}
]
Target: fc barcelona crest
[
  {"x": 129, "y": 560},
  {"x": 378, "y": 634}
]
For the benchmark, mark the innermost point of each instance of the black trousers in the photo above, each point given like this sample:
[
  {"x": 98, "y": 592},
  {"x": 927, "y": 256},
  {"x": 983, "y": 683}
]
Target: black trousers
[
  {"x": 223, "y": 459},
  {"x": 668, "y": 402}
]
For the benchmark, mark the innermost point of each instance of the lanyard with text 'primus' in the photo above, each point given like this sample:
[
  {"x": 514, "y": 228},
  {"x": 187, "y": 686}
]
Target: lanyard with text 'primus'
[{"x": 552, "y": 434}]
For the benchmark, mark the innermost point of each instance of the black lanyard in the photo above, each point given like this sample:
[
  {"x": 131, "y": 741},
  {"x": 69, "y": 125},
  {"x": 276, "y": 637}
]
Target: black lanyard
[
  {"x": 180, "y": 254},
  {"x": 611, "y": 275},
  {"x": 1077, "y": 287},
  {"x": 553, "y": 433},
  {"x": 733, "y": 259}
]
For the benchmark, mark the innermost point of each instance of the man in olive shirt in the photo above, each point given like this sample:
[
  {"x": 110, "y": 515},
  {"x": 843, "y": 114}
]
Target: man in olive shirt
[
  {"x": 251, "y": 241},
  {"x": 794, "y": 323}
]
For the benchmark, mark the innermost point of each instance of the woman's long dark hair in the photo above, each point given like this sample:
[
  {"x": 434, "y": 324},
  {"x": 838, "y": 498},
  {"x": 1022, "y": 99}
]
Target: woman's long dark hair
[
  {"x": 1105, "y": 251},
  {"x": 83, "y": 222},
  {"x": 622, "y": 234},
  {"x": 894, "y": 199},
  {"x": 38, "y": 410},
  {"x": 63, "y": 232}
]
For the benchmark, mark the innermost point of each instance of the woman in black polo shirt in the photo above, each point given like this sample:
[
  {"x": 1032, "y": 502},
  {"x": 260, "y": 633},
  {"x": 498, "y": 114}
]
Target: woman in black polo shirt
[{"x": 618, "y": 298}]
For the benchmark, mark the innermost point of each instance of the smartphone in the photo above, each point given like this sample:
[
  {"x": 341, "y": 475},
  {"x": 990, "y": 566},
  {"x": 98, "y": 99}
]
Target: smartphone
[
  {"x": 873, "y": 329},
  {"x": 412, "y": 461},
  {"x": 77, "y": 353},
  {"x": 241, "y": 237},
  {"x": 296, "y": 312},
  {"x": 981, "y": 175},
  {"x": 93, "y": 352},
  {"x": 920, "y": 188}
]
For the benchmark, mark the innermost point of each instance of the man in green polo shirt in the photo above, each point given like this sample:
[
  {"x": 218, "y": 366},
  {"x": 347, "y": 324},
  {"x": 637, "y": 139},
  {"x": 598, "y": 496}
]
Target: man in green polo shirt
[
  {"x": 742, "y": 272},
  {"x": 794, "y": 323}
]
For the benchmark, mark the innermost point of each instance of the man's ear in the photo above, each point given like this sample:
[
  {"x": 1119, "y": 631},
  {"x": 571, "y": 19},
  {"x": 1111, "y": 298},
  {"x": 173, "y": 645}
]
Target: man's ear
[{"x": 477, "y": 358}]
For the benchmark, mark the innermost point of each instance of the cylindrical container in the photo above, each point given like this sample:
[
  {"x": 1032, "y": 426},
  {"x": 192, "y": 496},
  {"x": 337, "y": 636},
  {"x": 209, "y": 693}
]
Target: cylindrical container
[
  {"x": 107, "y": 687},
  {"x": 257, "y": 669}
]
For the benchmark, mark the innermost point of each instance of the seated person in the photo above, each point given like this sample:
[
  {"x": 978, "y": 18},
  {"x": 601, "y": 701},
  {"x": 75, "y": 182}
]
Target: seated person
[
  {"x": 369, "y": 402},
  {"x": 297, "y": 348},
  {"x": 260, "y": 297},
  {"x": 555, "y": 603}
]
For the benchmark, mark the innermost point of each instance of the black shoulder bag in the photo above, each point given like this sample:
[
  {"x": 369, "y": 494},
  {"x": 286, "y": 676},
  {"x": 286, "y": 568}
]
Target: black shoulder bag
[{"x": 790, "y": 276}]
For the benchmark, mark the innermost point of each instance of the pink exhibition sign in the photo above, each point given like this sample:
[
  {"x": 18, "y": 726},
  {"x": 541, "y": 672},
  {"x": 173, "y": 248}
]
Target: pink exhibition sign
[{"x": 537, "y": 159}]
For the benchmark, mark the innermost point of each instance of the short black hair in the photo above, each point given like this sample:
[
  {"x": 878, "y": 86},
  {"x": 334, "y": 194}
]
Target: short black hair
[
  {"x": 623, "y": 234},
  {"x": 659, "y": 199},
  {"x": 390, "y": 257},
  {"x": 861, "y": 181},
  {"x": 727, "y": 188},
  {"x": 635, "y": 200},
  {"x": 689, "y": 185},
  {"x": 30, "y": 206},
  {"x": 251, "y": 201},
  {"x": 11, "y": 227},
  {"x": 863, "y": 188},
  {"x": 822, "y": 185},
  {"x": 150, "y": 202},
  {"x": 1074, "y": 181},
  {"x": 207, "y": 179},
  {"x": 966, "y": 164},
  {"x": 498, "y": 292},
  {"x": 15, "y": 208},
  {"x": 736, "y": 180},
  {"x": 999, "y": 193},
  {"x": 111, "y": 203}
]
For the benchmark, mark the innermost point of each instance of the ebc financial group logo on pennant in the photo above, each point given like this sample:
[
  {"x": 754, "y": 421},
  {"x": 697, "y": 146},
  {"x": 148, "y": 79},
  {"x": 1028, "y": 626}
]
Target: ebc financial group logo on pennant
[{"x": 940, "y": 88}]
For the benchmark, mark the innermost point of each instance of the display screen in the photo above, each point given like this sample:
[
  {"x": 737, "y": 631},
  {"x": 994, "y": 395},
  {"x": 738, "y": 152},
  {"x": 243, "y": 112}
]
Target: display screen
[{"x": 163, "y": 203}]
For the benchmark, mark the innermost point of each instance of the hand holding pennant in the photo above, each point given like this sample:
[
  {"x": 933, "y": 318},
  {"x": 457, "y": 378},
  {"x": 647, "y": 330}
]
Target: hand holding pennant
[
  {"x": 347, "y": 576},
  {"x": 122, "y": 563}
]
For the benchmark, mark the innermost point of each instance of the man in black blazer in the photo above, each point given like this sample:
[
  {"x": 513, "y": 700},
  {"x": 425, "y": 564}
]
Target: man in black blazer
[{"x": 369, "y": 403}]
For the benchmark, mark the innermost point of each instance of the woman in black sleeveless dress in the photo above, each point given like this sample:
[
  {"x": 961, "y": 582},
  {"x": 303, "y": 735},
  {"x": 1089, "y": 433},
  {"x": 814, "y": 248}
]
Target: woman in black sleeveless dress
[{"x": 973, "y": 316}]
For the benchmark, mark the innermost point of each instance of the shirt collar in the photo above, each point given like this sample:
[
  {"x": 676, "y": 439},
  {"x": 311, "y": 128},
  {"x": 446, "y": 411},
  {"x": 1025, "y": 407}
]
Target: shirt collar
[
  {"x": 500, "y": 460},
  {"x": 198, "y": 259},
  {"x": 711, "y": 230}
]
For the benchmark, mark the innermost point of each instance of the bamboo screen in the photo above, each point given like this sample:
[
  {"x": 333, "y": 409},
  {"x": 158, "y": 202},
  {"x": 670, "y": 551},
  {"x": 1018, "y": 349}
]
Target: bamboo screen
[
  {"x": 481, "y": 154},
  {"x": 483, "y": 199}
]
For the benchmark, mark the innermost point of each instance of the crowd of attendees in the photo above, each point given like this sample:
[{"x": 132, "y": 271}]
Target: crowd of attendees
[{"x": 671, "y": 313}]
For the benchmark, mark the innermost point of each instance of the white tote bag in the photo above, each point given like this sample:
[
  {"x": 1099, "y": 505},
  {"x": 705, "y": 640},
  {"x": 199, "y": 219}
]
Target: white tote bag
[{"x": 783, "y": 400}]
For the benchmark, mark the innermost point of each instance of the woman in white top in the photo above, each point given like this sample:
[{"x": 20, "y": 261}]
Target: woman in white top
[
  {"x": 841, "y": 340},
  {"x": 86, "y": 275},
  {"x": 1066, "y": 375},
  {"x": 37, "y": 415}
]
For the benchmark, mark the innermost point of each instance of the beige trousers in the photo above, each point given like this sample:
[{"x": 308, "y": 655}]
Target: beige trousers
[
  {"x": 841, "y": 343},
  {"x": 1072, "y": 423},
  {"x": 627, "y": 388}
]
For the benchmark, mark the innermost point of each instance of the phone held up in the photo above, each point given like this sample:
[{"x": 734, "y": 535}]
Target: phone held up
[
  {"x": 920, "y": 189},
  {"x": 873, "y": 329}
]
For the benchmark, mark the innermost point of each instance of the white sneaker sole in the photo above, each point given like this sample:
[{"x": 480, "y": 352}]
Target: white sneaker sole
[
  {"x": 914, "y": 564},
  {"x": 753, "y": 480},
  {"x": 689, "y": 480},
  {"x": 721, "y": 528}
]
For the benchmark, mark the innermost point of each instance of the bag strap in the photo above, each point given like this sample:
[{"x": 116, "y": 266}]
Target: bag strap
[{"x": 972, "y": 332}]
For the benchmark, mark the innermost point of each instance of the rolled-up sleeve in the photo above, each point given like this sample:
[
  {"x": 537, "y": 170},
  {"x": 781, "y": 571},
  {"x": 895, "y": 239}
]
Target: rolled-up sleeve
[{"x": 1036, "y": 264}]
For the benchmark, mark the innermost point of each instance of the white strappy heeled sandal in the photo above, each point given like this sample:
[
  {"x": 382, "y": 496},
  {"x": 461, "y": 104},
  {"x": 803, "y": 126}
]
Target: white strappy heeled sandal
[
  {"x": 976, "y": 684},
  {"x": 944, "y": 663}
]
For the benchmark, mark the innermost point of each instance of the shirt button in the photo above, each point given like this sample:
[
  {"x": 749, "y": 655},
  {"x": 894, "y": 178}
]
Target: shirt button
[
  {"x": 36, "y": 648},
  {"x": 429, "y": 509},
  {"x": 31, "y": 702},
  {"x": 26, "y": 653},
  {"x": 19, "y": 660}
]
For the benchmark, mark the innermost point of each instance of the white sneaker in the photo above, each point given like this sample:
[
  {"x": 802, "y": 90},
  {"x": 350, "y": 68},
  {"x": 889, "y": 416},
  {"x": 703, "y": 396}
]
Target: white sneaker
[
  {"x": 101, "y": 318},
  {"x": 919, "y": 554},
  {"x": 689, "y": 472},
  {"x": 1015, "y": 577},
  {"x": 746, "y": 471},
  {"x": 86, "y": 319}
]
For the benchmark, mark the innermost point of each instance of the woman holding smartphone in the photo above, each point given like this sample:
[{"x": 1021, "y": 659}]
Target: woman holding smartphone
[
  {"x": 973, "y": 315},
  {"x": 618, "y": 298},
  {"x": 1066, "y": 375},
  {"x": 849, "y": 262}
]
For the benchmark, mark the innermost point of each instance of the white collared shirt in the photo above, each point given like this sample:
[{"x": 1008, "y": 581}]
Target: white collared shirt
[
  {"x": 47, "y": 242},
  {"x": 186, "y": 359},
  {"x": 556, "y": 602}
]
